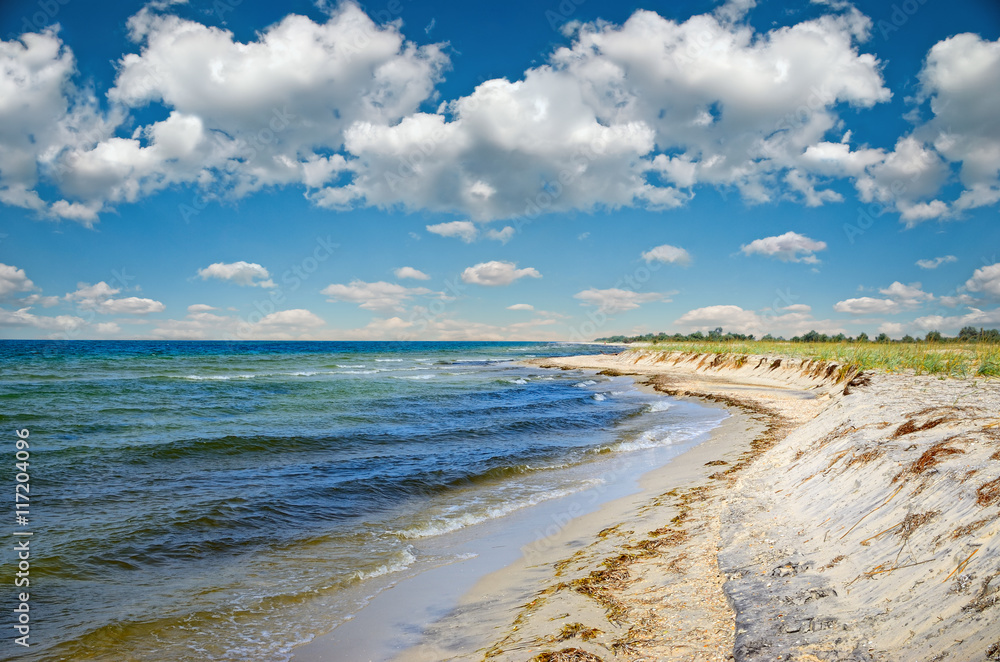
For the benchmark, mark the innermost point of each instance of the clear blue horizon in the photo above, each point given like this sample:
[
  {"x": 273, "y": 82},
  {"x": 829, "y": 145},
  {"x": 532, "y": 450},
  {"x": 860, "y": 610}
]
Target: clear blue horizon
[{"x": 517, "y": 171}]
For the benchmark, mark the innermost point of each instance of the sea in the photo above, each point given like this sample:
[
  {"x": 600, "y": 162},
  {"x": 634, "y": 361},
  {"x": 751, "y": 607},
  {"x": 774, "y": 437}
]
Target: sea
[{"x": 233, "y": 500}]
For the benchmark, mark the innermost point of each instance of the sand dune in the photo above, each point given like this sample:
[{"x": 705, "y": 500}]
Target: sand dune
[{"x": 844, "y": 516}]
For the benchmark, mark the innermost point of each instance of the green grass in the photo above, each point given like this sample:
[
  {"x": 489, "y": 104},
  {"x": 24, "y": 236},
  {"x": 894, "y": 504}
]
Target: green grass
[{"x": 952, "y": 359}]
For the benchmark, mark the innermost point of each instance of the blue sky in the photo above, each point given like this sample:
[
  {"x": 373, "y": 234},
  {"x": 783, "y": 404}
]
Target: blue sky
[{"x": 517, "y": 170}]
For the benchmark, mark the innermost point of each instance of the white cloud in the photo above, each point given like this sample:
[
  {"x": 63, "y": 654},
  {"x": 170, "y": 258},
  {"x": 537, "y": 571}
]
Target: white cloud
[
  {"x": 580, "y": 131},
  {"x": 496, "y": 273},
  {"x": 130, "y": 306},
  {"x": 241, "y": 116},
  {"x": 99, "y": 298},
  {"x": 25, "y": 318},
  {"x": 615, "y": 300},
  {"x": 867, "y": 306},
  {"x": 503, "y": 235},
  {"x": 788, "y": 247},
  {"x": 410, "y": 272},
  {"x": 798, "y": 308},
  {"x": 936, "y": 262},
  {"x": 379, "y": 296},
  {"x": 200, "y": 308},
  {"x": 38, "y": 299},
  {"x": 464, "y": 230},
  {"x": 908, "y": 296},
  {"x": 521, "y": 306},
  {"x": 13, "y": 280},
  {"x": 297, "y": 324},
  {"x": 975, "y": 317},
  {"x": 667, "y": 254},
  {"x": 601, "y": 124},
  {"x": 956, "y": 301},
  {"x": 738, "y": 320},
  {"x": 248, "y": 274},
  {"x": 985, "y": 280},
  {"x": 289, "y": 320},
  {"x": 891, "y": 329}
]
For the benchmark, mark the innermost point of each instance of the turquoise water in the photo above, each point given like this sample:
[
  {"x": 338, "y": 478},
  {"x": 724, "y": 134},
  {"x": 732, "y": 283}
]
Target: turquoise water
[{"x": 221, "y": 500}]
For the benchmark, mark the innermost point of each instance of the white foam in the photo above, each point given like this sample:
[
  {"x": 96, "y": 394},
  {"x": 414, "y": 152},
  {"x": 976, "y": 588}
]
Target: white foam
[
  {"x": 405, "y": 560},
  {"x": 660, "y": 405},
  {"x": 600, "y": 397},
  {"x": 519, "y": 380},
  {"x": 389, "y": 360},
  {"x": 218, "y": 378},
  {"x": 585, "y": 384},
  {"x": 448, "y": 524},
  {"x": 414, "y": 376}
]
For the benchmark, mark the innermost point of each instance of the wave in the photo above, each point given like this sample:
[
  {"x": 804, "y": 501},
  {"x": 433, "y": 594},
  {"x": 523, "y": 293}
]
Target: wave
[
  {"x": 414, "y": 376},
  {"x": 447, "y": 524},
  {"x": 600, "y": 397},
  {"x": 662, "y": 435},
  {"x": 404, "y": 559},
  {"x": 585, "y": 384}
]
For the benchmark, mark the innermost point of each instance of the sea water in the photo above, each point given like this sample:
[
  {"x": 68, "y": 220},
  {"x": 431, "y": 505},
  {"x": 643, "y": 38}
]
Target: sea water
[{"x": 231, "y": 500}]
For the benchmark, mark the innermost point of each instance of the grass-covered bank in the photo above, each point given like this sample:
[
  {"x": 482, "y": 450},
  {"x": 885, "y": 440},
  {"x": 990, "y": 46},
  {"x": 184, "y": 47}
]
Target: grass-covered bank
[{"x": 951, "y": 359}]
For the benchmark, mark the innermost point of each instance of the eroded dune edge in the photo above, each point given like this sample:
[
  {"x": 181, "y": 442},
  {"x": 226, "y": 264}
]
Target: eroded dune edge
[{"x": 850, "y": 517}]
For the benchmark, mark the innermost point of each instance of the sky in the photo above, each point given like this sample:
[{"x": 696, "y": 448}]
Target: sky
[{"x": 561, "y": 170}]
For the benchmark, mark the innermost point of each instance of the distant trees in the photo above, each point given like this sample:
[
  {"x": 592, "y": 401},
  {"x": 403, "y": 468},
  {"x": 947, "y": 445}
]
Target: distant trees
[{"x": 718, "y": 334}]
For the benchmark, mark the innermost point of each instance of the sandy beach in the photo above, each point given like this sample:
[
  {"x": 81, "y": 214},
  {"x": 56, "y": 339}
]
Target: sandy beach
[{"x": 834, "y": 516}]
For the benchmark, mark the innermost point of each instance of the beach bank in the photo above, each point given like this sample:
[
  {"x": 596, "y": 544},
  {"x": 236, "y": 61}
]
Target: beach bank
[{"x": 838, "y": 516}]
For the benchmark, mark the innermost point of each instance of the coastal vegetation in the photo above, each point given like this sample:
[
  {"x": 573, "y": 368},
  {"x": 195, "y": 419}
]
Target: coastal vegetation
[{"x": 974, "y": 352}]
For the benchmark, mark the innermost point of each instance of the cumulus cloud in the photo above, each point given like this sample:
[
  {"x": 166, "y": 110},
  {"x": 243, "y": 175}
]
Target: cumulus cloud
[
  {"x": 200, "y": 308},
  {"x": 410, "y": 272},
  {"x": 464, "y": 230},
  {"x": 788, "y": 247},
  {"x": 521, "y": 306},
  {"x": 25, "y": 318},
  {"x": 985, "y": 280},
  {"x": 975, "y": 317},
  {"x": 378, "y": 296},
  {"x": 502, "y": 235},
  {"x": 468, "y": 232},
  {"x": 936, "y": 262},
  {"x": 908, "y": 296},
  {"x": 960, "y": 86},
  {"x": 600, "y": 124},
  {"x": 867, "y": 306},
  {"x": 738, "y": 320},
  {"x": 590, "y": 128},
  {"x": 296, "y": 324},
  {"x": 496, "y": 273},
  {"x": 615, "y": 300},
  {"x": 99, "y": 298},
  {"x": 13, "y": 280},
  {"x": 289, "y": 320},
  {"x": 247, "y": 274},
  {"x": 667, "y": 254}
]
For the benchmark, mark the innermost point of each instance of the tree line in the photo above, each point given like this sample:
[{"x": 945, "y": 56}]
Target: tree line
[{"x": 966, "y": 335}]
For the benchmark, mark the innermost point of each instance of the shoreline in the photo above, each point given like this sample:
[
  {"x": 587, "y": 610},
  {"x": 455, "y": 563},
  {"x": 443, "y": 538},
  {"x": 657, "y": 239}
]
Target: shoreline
[{"x": 844, "y": 516}]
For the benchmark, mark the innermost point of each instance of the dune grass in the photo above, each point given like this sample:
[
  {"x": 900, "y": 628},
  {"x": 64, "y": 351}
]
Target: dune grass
[{"x": 951, "y": 359}]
